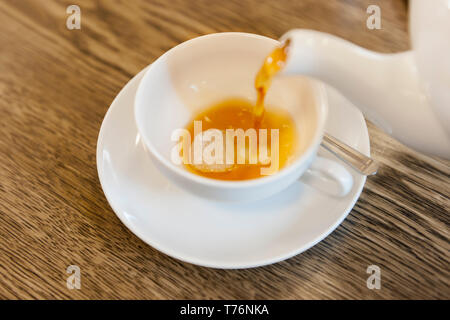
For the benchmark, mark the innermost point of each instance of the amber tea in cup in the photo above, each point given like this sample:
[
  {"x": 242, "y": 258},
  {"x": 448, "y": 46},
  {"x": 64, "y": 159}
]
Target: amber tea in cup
[{"x": 241, "y": 114}]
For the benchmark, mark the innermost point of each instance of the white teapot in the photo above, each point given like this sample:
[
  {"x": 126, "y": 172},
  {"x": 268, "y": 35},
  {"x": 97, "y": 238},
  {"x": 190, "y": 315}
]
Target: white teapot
[{"x": 406, "y": 94}]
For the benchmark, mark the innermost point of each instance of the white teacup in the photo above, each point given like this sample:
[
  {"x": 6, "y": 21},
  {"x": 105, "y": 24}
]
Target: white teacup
[{"x": 211, "y": 68}]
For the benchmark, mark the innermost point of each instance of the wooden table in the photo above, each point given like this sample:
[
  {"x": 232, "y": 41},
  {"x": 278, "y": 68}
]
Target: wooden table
[{"x": 55, "y": 87}]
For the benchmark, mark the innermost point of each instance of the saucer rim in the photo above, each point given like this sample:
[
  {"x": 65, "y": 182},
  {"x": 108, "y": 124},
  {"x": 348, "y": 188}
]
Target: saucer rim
[{"x": 198, "y": 261}]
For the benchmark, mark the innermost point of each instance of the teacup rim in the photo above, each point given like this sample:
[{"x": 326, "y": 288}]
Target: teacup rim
[{"x": 321, "y": 102}]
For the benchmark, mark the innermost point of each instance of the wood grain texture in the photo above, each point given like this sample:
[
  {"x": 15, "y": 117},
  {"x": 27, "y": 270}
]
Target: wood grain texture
[{"x": 56, "y": 86}]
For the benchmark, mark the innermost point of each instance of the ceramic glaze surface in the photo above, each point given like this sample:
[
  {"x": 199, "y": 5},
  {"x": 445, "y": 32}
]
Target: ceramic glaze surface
[
  {"x": 406, "y": 94},
  {"x": 208, "y": 233},
  {"x": 194, "y": 74}
]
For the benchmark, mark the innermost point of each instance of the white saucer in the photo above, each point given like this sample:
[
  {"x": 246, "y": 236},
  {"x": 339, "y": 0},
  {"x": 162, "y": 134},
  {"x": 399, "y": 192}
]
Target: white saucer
[{"x": 212, "y": 234}]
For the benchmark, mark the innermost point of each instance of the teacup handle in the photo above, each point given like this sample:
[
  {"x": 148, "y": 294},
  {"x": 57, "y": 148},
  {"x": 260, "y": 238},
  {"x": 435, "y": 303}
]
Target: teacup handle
[{"x": 328, "y": 176}]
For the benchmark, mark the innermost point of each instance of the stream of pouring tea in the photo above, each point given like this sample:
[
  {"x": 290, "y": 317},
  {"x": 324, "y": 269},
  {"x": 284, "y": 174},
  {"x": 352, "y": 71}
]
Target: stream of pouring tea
[{"x": 273, "y": 63}]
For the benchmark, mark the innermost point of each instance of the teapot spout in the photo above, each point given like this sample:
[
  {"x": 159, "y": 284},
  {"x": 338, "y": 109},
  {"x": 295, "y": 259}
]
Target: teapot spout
[{"x": 385, "y": 87}]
